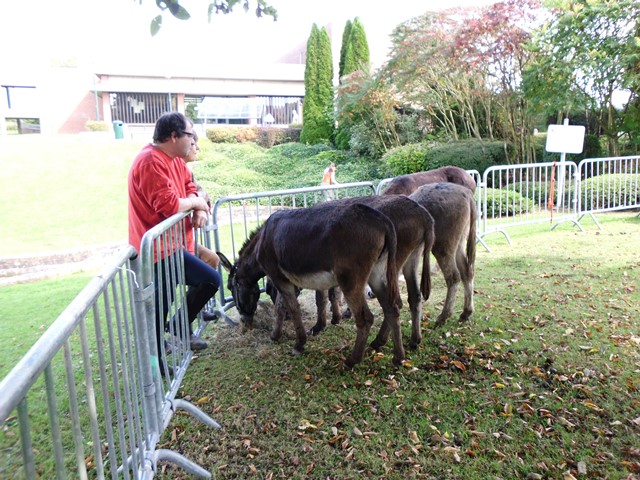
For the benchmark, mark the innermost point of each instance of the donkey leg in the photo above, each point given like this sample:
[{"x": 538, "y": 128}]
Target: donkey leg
[
  {"x": 415, "y": 302},
  {"x": 383, "y": 334},
  {"x": 281, "y": 314},
  {"x": 334, "y": 300},
  {"x": 363, "y": 320},
  {"x": 467, "y": 282},
  {"x": 390, "y": 324},
  {"x": 321, "y": 307},
  {"x": 452, "y": 278}
]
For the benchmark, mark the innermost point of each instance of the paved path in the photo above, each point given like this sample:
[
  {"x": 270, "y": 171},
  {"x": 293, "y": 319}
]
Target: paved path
[{"x": 30, "y": 268}]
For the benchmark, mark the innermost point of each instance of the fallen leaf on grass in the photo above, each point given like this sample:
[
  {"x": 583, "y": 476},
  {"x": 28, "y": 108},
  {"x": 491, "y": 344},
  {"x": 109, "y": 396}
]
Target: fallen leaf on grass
[
  {"x": 592, "y": 406},
  {"x": 304, "y": 424},
  {"x": 459, "y": 365}
]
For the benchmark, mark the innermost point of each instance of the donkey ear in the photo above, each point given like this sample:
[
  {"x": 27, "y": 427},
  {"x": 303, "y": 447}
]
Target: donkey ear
[{"x": 228, "y": 266}]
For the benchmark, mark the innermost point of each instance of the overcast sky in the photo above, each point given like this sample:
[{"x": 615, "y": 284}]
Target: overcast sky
[{"x": 107, "y": 31}]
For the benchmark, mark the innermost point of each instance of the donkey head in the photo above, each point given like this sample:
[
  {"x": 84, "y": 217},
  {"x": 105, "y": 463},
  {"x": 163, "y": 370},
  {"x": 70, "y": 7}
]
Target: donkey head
[{"x": 244, "y": 289}]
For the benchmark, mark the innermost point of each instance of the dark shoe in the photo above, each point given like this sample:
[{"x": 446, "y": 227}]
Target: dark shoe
[
  {"x": 168, "y": 348},
  {"x": 209, "y": 315},
  {"x": 197, "y": 344}
]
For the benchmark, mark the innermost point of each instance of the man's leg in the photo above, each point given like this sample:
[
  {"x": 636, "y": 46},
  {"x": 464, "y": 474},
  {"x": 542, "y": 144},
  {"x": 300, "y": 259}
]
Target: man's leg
[{"x": 204, "y": 282}]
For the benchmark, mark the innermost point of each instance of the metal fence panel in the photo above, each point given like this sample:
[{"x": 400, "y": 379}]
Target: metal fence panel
[
  {"x": 608, "y": 184},
  {"x": 77, "y": 392},
  {"x": 515, "y": 195}
]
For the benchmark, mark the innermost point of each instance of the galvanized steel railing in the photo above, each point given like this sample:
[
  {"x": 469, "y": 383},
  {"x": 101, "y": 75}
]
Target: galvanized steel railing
[
  {"x": 89, "y": 398},
  {"x": 608, "y": 184}
]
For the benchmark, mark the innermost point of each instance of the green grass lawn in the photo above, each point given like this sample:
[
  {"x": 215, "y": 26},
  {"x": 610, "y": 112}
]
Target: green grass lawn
[{"x": 63, "y": 192}]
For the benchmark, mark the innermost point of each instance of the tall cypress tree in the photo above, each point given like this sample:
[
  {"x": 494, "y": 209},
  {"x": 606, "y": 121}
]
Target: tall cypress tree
[
  {"x": 343, "y": 48},
  {"x": 356, "y": 57},
  {"x": 318, "y": 82},
  {"x": 357, "y": 54},
  {"x": 310, "y": 111}
]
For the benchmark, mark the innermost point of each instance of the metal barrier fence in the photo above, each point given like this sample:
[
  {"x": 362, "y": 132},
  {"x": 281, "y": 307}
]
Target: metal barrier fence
[
  {"x": 514, "y": 195},
  {"x": 608, "y": 184},
  {"x": 89, "y": 397},
  {"x": 95, "y": 393},
  {"x": 91, "y": 419}
]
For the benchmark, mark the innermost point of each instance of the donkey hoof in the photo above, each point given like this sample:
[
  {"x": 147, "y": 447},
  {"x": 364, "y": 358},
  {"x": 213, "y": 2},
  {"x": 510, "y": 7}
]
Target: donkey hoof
[
  {"x": 413, "y": 345},
  {"x": 465, "y": 315},
  {"x": 296, "y": 353},
  {"x": 346, "y": 313},
  {"x": 397, "y": 362},
  {"x": 335, "y": 320},
  {"x": 348, "y": 364},
  {"x": 313, "y": 331}
]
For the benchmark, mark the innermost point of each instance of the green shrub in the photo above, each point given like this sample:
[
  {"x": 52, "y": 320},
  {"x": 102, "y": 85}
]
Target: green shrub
[
  {"x": 271, "y": 136},
  {"x": 406, "y": 158},
  {"x": 610, "y": 190},
  {"x": 466, "y": 154},
  {"x": 267, "y": 137},
  {"x": 506, "y": 203},
  {"x": 96, "y": 126}
]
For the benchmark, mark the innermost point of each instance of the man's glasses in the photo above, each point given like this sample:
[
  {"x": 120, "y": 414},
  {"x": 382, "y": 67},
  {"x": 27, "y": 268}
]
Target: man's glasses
[{"x": 190, "y": 134}]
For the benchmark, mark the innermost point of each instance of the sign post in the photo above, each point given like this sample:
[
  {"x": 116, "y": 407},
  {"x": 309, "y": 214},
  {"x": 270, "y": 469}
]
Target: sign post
[{"x": 564, "y": 139}]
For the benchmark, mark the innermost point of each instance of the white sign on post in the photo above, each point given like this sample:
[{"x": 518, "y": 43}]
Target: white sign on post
[{"x": 565, "y": 138}]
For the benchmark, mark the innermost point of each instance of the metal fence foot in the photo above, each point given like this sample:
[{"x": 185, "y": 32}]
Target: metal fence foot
[
  {"x": 195, "y": 412},
  {"x": 181, "y": 461}
]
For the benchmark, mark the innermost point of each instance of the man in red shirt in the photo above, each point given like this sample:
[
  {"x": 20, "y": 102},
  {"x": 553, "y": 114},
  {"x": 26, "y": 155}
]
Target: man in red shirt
[{"x": 160, "y": 185}]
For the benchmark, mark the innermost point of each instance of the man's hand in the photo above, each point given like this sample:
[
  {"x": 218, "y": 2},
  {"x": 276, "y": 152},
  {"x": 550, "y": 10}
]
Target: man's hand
[{"x": 199, "y": 218}]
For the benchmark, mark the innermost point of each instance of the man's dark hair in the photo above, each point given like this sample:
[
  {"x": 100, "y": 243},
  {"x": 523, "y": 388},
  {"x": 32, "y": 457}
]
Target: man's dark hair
[{"x": 169, "y": 123}]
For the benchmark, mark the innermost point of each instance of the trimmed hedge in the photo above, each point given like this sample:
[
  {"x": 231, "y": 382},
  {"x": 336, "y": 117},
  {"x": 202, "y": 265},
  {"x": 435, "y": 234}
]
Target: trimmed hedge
[
  {"x": 96, "y": 126},
  {"x": 468, "y": 154},
  {"x": 264, "y": 136},
  {"x": 539, "y": 191}
]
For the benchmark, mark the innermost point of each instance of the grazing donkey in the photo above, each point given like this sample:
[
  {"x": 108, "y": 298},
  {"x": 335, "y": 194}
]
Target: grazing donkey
[
  {"x": 330, "y": 244},
  {"x": 407, "y": 184},
  {"x": 415, "y": 237},
  {"x": 453, "y": 209}
]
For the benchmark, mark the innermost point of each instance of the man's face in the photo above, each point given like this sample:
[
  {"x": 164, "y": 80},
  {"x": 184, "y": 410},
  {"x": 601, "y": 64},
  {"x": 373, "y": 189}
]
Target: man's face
[{"x": 185, "y": 141}]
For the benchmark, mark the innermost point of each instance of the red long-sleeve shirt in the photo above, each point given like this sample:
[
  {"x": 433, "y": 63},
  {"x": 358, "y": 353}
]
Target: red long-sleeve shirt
[{"x": 156, "y": 183}]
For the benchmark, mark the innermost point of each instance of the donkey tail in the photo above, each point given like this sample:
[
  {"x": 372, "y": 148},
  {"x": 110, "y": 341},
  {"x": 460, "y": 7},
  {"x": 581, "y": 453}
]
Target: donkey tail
[
  {"x": 429, "y": 239},
  {"x": 391, "y": 244},
  {"x": 471, "y": 239}
]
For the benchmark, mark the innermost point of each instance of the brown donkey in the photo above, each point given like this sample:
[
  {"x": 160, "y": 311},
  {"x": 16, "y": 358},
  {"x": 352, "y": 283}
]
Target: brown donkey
[
  {"x": 330, "y": 244},
  {"x": 454, "y": 213},
  {"x": 415, "y": 237},
  {"x": 407, "y": 184}
]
